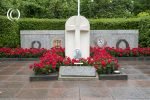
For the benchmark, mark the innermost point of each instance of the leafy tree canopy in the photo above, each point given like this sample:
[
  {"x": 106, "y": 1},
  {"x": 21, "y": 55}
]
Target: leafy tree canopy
[{"x": 66, "y": 8}]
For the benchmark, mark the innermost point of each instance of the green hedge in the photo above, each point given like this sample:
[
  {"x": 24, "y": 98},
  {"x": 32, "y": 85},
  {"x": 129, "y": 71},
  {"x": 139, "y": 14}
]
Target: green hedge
[
  {"x": 6, "y": 26},
  {"x": 41, "y": 24},
  {"x": 119, "y": 23},
  {"x": 144, "y": 27},
  {"x": 9, "y": 34}
]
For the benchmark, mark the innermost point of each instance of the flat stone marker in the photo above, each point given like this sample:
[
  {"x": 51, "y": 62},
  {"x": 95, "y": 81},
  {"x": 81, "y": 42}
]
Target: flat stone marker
[{"x": 77, "y": 73}]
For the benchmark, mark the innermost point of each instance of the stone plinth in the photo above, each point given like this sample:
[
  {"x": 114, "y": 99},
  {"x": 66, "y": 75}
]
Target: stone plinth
[
  {"x": 50, "y": 77},
  {"x": 77, "y": 73},
  {"x": 113, "y": 77}
]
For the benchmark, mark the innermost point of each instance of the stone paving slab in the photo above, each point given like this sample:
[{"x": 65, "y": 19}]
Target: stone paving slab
[
  {"x": 64, "y": 84},
  {"x": 101, "y": 98},
  {"x": 127, "y": 93},
  {"x": 120, "y": 83},
  {"x": 10, "y": 85},
  {"x": 18, "y": 78},
  {"x": 141, "y": 67},
  {"x": 146, "y": 91},
  {"x": 4, "y": 77},
  {"x": 92, "y": 84},
  {"x": 30, "y": 93},
  {"x": 37, "y": 85},
  {"x": 15, "y": 84},
  {"x": 131, "y": 99},
  {"x": 8, "y": 93},
  {"x": 132, "y": 71},
  {"x": 138, "y": 77},
  {"x": 95, "y": 93},
  {"x": 69, "y": 93}
]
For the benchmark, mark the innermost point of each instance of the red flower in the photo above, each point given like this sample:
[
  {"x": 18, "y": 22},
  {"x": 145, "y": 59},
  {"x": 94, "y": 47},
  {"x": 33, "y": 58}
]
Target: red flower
[
  {"x": 96, "y": 66},
  {"x": 103, "y": 63}
]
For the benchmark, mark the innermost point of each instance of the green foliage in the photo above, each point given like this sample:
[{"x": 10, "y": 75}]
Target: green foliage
[
  {"x": 144, "y": 28},
  {"x": 7, "y": 26},
  {"x": 9, "y": 40},
  {"x": 44, "y": 71},
  {"x": 107, "y": 8},
  {"x": 142, "y": 24},
  {"x": 141, "y": 6},
  {"x": 116, "y": 23},
  {"x": 41, "y": 24},
  {"x": 66, "y": 8},
  {"x": 9, "y": 30},
  {"x": 108, "y": 69},
  {"x": 142, "y": 14},
  {"x": 9, "y": 34}
]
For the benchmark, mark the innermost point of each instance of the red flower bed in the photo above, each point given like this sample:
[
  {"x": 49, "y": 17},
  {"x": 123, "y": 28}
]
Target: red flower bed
[
  {"x": 54, "y": 58},
  {"x": 51, "y": 60},
  {"x": 21, "y": 53},
  {"x": 135, "y": 52},
  {"x": 28, "y": 53}
]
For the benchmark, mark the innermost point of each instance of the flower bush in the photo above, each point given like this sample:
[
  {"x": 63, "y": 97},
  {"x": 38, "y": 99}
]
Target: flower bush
[
  {"x": 50, "y": 60},
  {"x": 135, "y": 52},
  {"x": 21, "y": 53},
  {"x": 54, "y": 58},
  {"x": 28, "y": 53},
  {"x": 103, "y": 61}
]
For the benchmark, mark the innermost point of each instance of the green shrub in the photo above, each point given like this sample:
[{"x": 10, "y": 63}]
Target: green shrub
[
  {"x": 144, "y": 28},
  {"x": 9, "y": 31},
  {"x": 7, "y": 26},
  {"x": 10, "y": 40},
  {"x": 142, "y": 14},
  {"x": 115, "y": 23},
  {"x": 41, "y": 24}
]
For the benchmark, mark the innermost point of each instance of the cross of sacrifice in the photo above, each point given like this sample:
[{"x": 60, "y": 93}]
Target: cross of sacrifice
[{"x": 78, "y": 27}]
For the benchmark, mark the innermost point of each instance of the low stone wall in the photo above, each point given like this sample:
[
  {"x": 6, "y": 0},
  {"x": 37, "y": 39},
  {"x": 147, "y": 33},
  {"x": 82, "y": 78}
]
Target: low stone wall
[{"x": 49, "y": 38}]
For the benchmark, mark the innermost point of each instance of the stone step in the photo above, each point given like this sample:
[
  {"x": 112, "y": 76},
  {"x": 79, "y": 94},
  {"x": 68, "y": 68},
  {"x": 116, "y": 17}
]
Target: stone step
[{"x": 77, "y": 73}]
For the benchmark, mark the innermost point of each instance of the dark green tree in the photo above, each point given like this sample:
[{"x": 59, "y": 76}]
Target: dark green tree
[
  {"x": 141, "y": 6},
  {"x": 67, "y": 8}
]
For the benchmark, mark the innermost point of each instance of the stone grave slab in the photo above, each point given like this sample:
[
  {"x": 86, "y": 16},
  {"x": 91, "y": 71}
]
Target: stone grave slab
[{"x": 77, "y": 73}]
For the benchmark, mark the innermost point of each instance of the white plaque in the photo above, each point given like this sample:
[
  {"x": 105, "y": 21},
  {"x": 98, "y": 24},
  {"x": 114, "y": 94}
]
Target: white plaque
[{"x": 77, "y": 71}]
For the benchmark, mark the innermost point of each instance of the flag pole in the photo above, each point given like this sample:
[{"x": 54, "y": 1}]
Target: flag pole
[{"x": 78, "y": 7}]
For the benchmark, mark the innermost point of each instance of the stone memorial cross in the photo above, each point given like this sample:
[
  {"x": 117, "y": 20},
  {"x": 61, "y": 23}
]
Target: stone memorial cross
[
  {"x": 77, "y": 27},
  {"x": 77, "y": 35}
]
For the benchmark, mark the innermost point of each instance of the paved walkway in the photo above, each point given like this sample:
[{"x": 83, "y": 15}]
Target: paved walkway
[{"x": 15, "y": 85}]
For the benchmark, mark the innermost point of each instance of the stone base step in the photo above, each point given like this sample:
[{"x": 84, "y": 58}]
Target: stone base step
[
  {"x": 77, "y": 73},
  {"x": 62, "y": 78}
]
